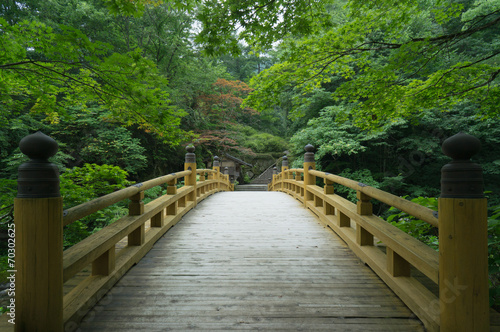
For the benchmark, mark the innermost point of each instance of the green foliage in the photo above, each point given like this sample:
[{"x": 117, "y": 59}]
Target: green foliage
[
  {"x": 96, "y": 180},
  {"x": 494, "y": 255},
  {"x": 264, "y": 22},
  {"x": 71, "y": 70},
  {"x": 362, "y": 175},
  {"x": 415, "y": 227},
  {"x": 116, "y": 148},
  {"x": 153, "y": 193},
  {"x": 4, "y": 267},
  {"x": 265, "y": 143},
  {"x": 81, "y": 184},
  {"x": 389, "y": 58},
  {"x": 8, "y": 190},
  {"x": 331, "y": 138}
]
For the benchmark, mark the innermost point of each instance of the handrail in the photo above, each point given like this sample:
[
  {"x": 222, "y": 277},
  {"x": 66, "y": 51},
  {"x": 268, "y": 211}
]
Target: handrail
[
  {"x": 206, "y": 170},
  {"x": 106, "y": 254},
  {"x": 80, "y": 211},
  {"x": 421, "y": 212},
  {"x": 459, "y": 268}
]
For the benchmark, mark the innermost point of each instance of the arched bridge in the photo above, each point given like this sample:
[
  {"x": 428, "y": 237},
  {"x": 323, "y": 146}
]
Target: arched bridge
[{"x": 295, "y": 258}]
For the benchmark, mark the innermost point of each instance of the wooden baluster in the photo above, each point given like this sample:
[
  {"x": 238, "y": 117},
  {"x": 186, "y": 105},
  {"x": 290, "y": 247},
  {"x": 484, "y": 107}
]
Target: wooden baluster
[
  {"x": 397, "y": 265},
  {"x": 275, "y": 178},
  {"x": 328, "y": 190},
  {"x": 226, "y": 178},
  {"x": 136, "y": 205},
  {"x": 365, "y": 208},
  {"x": 172, "y": 190},
  {"x": 158, "y": 220},
  {"x": 172, "y": 187},
  {"x": 216, "y": 168},
  {"x": 210, "y": 177},
  {"x": 463, "y": 240},
  {"x": 284, "y": 170},
  {"x": 298, "y": 177},
  {"x": 38, "y": 213},
  {"x": 104, "y": 264},
  {"x": 202, "y": 178},
  {"x": 136, "y": 208},
  {"x": 343, "y": 220},
  {"x": 309, "y": 164},
  {"x": 190, "y": 180}
]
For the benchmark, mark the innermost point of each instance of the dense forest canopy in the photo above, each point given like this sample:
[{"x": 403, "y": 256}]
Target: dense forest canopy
[{"x": 375, "y": 86}]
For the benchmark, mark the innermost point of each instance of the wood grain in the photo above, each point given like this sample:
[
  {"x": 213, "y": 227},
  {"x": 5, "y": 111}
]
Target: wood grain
[{"x": 250, "y": 260}]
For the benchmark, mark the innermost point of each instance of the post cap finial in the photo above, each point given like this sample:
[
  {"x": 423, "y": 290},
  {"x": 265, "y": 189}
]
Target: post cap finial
[
  {"x": 461, "y": 178},
  {"x": 190, "y": 156},
  {"x": 284, "y": 163},
  {"x": 38, "y": 178},
  {"x": 38, "y": 146},
  {"x": 216, "y": 161},
  {"x": 309, "y": 155},
  {"x": 461, "y": 146}
]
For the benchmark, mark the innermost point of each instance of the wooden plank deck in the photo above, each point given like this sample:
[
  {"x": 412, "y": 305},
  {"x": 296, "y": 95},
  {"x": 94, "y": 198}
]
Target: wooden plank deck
[{"x": 250, "y": 261}]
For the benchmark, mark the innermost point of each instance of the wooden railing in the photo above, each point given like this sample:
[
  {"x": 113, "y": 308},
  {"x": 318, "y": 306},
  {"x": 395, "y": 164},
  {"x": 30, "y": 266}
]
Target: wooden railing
[
  {"x": 460, "y": 267},
  {"x": 42, "y": 266}
]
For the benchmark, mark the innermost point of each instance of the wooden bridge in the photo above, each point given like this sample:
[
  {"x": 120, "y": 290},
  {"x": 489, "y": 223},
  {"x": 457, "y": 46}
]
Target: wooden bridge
[{"x": 306, "y": 261}]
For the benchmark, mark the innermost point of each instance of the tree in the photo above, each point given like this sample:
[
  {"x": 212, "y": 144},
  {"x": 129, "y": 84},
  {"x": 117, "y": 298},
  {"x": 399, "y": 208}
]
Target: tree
[
  {"x": 48, "y": 70},
  {"x": 397, "y": 58},
  {"x": 221, "y": 111},
  {"x": 258, "y": 23}
]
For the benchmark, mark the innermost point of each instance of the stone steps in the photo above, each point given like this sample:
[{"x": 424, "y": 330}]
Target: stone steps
[{"x": 251, "y": 187}]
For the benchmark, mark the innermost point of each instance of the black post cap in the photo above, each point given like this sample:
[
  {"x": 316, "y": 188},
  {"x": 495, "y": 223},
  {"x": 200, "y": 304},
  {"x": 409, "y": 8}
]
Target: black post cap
[
  {"x": 285, "y": 161},
  {"x": 309, "y": 155},
  {"x": 38, "y": 178},
  {"x": 461, "y": 178},
  {"x": 190, "y": 156}
]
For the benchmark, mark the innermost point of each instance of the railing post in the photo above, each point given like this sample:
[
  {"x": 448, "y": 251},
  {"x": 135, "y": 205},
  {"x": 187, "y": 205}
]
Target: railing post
[
  {"x": 136, "y": 208},
  {"x": 38, "y": 211},
  {"x": 463, "y": 239},
  {"x": 275, "y": 177},
  {"x": 190, "y": 180},
  {"x": 284, "y": 169},
  {"x": 284, "y": 164},
  {"x": 364, "y": 208},
  {"x": 226, "y": 176},
  {"x": 328, "y": 209},
  {"x": 216, "y": 168},
  {"x": 172, "y": 190},
  {"x": 309, "y": 164}
]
